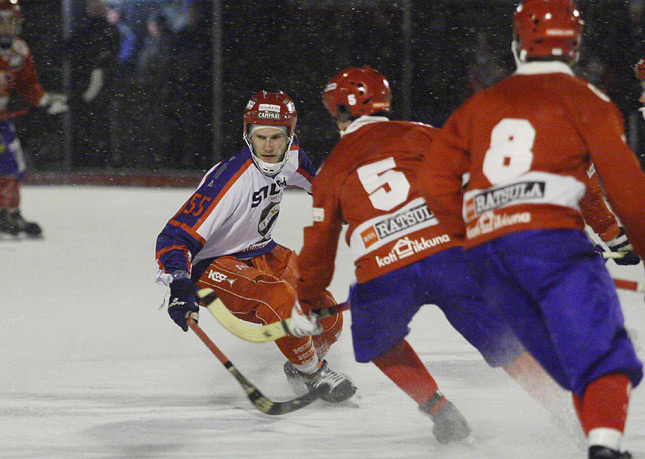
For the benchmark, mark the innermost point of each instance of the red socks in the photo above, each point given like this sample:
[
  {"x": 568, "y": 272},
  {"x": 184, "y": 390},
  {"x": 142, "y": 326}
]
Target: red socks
[
  {"x": 403, "y": 366},
  {"x": 603, "y": 409}
]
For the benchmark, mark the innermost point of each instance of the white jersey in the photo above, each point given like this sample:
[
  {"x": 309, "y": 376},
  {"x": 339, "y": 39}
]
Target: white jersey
[{"x": 232, "y": 212}]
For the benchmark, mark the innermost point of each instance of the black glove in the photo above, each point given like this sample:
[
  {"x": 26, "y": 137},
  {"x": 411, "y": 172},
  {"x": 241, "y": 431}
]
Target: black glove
[
  {"x": 183, "y": 301},
  {"x": 621, "y": 244}
]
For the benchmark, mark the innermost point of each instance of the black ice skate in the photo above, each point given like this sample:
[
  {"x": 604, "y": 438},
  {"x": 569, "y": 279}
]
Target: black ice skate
[
  {"x": 339, "y": 386},
  {"x": 30, "y": 229},
  {"x": 449, "y": 424},
  {"x": 601, "y": 452},
  {"x": 7, "y": 224}
]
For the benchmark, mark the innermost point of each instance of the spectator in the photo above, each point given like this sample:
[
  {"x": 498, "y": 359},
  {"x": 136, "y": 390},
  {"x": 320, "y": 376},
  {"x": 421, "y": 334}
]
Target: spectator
[
  {"x": 122, "y": 106},
  {"x": 94, "y": 50},
  {"x": 190, "y": 94},
  {"x": 128, "y": 40},
  {"x": 153, "y": 86}
]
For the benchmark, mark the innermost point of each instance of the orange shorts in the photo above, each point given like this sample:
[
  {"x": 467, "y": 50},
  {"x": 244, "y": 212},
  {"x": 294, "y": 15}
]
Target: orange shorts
[{"x": 262, "y": 290}]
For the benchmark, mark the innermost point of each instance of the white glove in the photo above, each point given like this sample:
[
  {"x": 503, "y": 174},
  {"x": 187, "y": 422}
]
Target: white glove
[
  {"x": 53, "y": 103},
  {"x": 96, "y": 83},
  {"x": 303, "y": 325}
]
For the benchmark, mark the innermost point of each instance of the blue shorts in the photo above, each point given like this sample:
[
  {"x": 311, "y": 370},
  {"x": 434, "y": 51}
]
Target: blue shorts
[
  {"x": 12, "y": 163},
  {"x": 382, "y": 308},
  {"x": 558, "y": 296}
]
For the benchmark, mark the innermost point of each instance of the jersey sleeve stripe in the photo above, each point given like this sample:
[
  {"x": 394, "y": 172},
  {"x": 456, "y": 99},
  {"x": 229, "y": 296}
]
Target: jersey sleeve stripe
[
  {"x": 165, "y": 250},
  {"x": 222, "y": 193},
  {"x": 305, "y": 174},
  {"x": 189, "y": 230}
]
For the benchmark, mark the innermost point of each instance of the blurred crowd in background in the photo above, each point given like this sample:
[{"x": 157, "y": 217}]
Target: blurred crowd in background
[{"x": 154, "y": 109}]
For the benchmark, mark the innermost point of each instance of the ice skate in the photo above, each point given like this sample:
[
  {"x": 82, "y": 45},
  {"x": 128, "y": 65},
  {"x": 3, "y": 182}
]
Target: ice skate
[
  {"x": 449, "y": 424},
  {"x": 7, "y": 225},
  {"x": 30, "y": 229},
  {"x": 339, "y": 386},
  {"x": 601, "y": 452}
]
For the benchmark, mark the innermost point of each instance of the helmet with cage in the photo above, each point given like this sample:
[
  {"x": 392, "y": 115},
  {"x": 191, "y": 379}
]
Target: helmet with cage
[
  {"x": 270, "y": 110},
  {"x": 547, "y": 29},
  {"x": 356, "y": 92}
]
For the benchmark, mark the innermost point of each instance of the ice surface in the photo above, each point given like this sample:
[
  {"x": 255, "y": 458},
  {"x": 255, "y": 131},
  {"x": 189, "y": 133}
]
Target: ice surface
[{"x": 90, "y": 368}]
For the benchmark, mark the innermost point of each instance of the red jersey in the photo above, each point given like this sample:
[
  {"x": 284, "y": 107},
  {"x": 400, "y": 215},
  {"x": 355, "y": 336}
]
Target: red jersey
[
  {"x": 527, "y": 143},
  {"x": 367, "y": 182},
  {"x": 18, "y": 71}
]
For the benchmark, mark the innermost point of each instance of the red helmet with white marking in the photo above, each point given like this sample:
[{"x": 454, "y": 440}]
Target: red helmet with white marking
[
  {"x": 357, "y": 92},
  {"x": 270, "y": 109},
  {"x": 547, "y": 29},
  {"x": 10, "y": 22}
]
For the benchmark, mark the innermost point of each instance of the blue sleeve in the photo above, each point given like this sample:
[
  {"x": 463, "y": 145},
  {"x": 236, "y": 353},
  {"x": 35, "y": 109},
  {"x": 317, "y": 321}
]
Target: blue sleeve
[
  {"x": 179, "y": 240},
  {"x": 305, "y": 164}
]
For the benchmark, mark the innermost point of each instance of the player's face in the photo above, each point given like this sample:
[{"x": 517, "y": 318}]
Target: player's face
[
  {"x": 269, "y": 144},
  {"x": 342, "y": 125}
]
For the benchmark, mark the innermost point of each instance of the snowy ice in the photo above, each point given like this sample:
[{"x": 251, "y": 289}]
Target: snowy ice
[{"x": 91, "y": 368}]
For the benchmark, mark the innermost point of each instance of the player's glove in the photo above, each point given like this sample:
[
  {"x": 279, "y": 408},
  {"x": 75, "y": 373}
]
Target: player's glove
[
  {"x": 54, "y": 104},
  {"x": 621, "y": 244},
  {"x": 183, "y": 301},
  {"x": 303, "y": 324}
]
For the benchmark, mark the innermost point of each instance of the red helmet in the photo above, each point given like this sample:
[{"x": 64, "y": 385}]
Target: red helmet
[
  {"x": 640, "y": 69},
  {"x": 12, "y": 7},
  {"x": 547, "y": 28},
  {"x": 271, "y": 108},
  {"x": 355, "y": 92},
  {"x": 10, "y": 22}
]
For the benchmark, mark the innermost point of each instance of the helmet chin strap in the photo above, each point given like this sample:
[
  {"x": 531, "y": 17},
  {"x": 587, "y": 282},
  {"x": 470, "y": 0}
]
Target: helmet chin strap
[
  {"x": 516, "y": 48},
  {"x": 266, "y": 168}
]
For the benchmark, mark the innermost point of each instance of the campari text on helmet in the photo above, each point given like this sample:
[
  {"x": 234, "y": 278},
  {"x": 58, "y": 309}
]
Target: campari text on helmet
[
  {"x": 356, "y": 92},
  {"x": 546, "y": 29},
  {"x": 269, "y": 126},
  {"x": 10, "y": 22}
]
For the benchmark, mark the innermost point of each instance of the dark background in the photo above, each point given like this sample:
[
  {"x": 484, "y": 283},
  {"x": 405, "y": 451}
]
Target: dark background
[{"x": 451, "y": 49}]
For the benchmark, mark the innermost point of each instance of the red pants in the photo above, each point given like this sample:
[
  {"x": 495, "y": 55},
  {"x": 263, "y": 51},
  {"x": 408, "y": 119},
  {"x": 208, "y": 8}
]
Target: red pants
[{"x": 262, "y": 290}]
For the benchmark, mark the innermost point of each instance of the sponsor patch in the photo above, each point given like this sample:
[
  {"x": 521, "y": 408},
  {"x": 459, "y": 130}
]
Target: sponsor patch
[
  {"x": 402, "y": 221},
  {"x": 560, "y": 32},
  {"x": 318, "y": 214},
  {"x": 494, "y": 199},
  {"x": 269, "y": 108},
  {"x": 369, "y": 236},
  {"x": 217, "y": 276},
  {"x": 406, "y": 247},
  {"x": 330, "y": 87},
  {"x": 490, "y": 221}
]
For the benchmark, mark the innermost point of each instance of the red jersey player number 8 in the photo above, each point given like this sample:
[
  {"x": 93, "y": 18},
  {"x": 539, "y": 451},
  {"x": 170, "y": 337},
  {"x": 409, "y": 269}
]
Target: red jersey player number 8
[
  {"x": 510, "y": 152},
  {"x": 376, "y": 175}
]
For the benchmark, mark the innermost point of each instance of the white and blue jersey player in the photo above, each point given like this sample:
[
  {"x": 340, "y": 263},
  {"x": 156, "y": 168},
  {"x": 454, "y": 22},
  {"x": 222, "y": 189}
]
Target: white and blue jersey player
[{"x": 221, "y": 239}]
